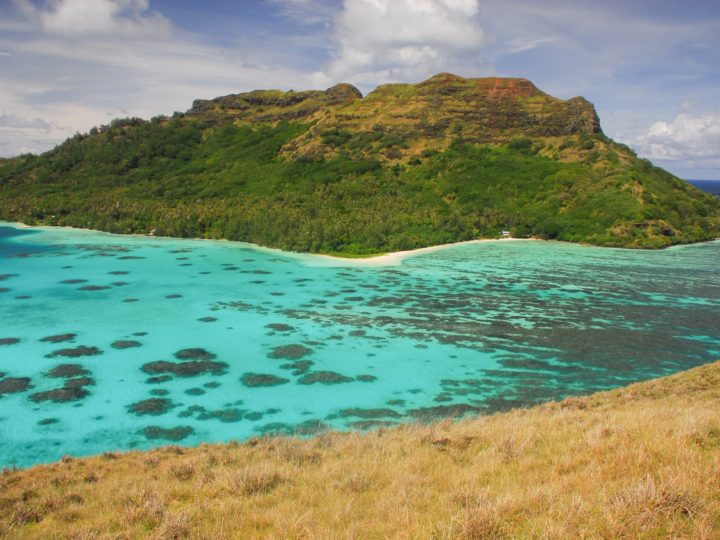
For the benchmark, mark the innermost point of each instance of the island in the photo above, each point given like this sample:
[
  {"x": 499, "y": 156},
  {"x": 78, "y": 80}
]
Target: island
[{"x": 407, "y": 166}]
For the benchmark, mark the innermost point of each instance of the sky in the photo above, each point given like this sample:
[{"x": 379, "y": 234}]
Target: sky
[{"x": 651, "y": 67}]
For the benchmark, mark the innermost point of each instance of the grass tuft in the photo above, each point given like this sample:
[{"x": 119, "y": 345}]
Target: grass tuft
[{"x": 253, "y": 481}]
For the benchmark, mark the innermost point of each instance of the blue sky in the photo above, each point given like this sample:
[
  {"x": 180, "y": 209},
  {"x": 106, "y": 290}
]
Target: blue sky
[{"x": 652, "y": 68}]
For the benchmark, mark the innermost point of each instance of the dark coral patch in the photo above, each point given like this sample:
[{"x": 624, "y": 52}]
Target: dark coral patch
[
  {"x": 80, "y": 382},
  {"x": 129, "y": 258},
  {"x": 366, "y": 378},
  {"x": 118, "y": 283},
  {"x": 443, "y": 411},
  {"x": 152, "y": 406},
  {"x": 371, "y": 424},
  {"x": 73, "y": 281},
  {"x": 194, "y": 354},
  {"x": 309, "y": 427},
  {"x": 254, "y": 380},
  {"x": 48, "y": 421},
  {"x": 125, "y": 344},
  {"x": 128, "y": 300},
  {"x": 168, "y": 434},
  {"x": 75, "y": 352},
  {"x": 207, "y": 319},
  {"x": 291, "y": 352},
  {"x": 194, "y": 391},
  {"x": 158, "y": 380},
  {"x": 280, "y": 327},
  {"x": 4, "y": 277},
  {"x": 224, "y": 415},
  {"x": 140, "y": 334},
  {"x": 119, "y": 272},
  {"x": 159, "y": 392},
  {"x": 300, "y": 367},
  {"x": 229, "y": 415},
  {"x": 324, "y": 377},
  {"x": 171, "y": 296},
  {"x": 73, "y": 389},
  {"x": 93, "y": 288},
  {"x": 368, "y": 413},
  {"x": 211, "y": 384},
  {"x": 14, "y": 385},
  {"x": 9, "y": 341},
  {"x": 191, "y": 410},
  {"x": 4, "y": 289},
  {"x": 524, "y": 363},
  {"x": 59, "y": 338},
  {"x": 185, "y": 369},
  {"x": 61, "y": 395},
  {"x": 67, "y": 371}
]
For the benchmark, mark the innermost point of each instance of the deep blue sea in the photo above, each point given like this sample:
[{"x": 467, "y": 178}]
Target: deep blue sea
[
  {"x": 710, "y": 186},
  {"x": 118, "y": 342}
]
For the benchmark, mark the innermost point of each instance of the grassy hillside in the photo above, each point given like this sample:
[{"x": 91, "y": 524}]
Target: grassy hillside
[
  {"x": 638, "y": 462},
  {"x": 407, "y": 166}
]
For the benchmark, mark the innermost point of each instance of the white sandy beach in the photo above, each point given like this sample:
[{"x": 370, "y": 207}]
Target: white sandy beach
[{"x": 395, "y": 258}]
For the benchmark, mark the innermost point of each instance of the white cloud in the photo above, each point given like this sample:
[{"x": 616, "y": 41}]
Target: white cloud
[
  {"x": 19, "y": 135},
  {"x": 689, "y": 138},
  {"x": 524, "y": 43},
  {"x": 306, "y": 11},
  {"x": 18, "y": 122},
  {"x": 96, "y": 17},
  {"x": 385, "y": 40},
  {"x": 72, "y": 77}
]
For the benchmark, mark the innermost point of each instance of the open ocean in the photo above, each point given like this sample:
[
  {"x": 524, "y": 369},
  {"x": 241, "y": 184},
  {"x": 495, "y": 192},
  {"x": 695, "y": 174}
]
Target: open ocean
[
  {"x": 710, "y": 186},
  {"x": 126, "y": 342}
]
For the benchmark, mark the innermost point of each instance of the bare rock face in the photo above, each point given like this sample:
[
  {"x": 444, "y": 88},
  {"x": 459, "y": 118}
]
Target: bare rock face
[
  {"x": 341, "y": 93},
  {"x": 274, "y": 105},
  {"x": 430, "y": 114},
  {"x": 488, "y": 109}
]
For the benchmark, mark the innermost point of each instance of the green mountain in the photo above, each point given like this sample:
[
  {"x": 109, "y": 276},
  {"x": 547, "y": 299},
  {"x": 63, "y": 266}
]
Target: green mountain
[{"x": 407, "y": 166}]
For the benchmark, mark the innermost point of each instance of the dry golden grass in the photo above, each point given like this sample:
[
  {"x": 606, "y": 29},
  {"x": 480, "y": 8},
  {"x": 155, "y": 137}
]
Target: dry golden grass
[{"x": 639, "y": 462}]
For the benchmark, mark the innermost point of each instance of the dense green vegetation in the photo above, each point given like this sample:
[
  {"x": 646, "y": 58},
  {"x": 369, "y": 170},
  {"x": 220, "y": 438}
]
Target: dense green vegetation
[{"x": 189, "y": 176}]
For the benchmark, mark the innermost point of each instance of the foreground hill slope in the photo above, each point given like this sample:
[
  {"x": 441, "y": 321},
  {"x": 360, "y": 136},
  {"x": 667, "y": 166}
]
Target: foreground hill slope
[
  {"x": 407, "y": 166},
  {"x": 638, "y": 462}
]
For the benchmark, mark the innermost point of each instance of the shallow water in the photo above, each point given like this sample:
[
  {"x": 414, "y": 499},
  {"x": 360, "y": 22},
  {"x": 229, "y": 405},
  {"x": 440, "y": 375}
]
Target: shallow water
[{"x": 116, "y": 342}]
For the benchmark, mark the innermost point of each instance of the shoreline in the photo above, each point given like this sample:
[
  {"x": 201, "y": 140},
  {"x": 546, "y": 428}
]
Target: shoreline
[
  {"x": 323, "y": 260},
  {"x": 393, "y": 258}
]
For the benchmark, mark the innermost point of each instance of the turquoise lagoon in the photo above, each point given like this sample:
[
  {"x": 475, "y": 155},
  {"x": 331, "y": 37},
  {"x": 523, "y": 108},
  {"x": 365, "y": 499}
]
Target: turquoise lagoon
[{"x": 118, "y": 342}]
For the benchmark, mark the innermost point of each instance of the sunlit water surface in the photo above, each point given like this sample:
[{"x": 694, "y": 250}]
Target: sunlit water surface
[{"x": 116, "y": 342}]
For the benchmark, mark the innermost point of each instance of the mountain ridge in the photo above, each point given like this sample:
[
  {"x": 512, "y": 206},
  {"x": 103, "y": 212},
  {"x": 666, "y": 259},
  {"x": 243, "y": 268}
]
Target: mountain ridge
[{"x": 438, "y": 110}]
